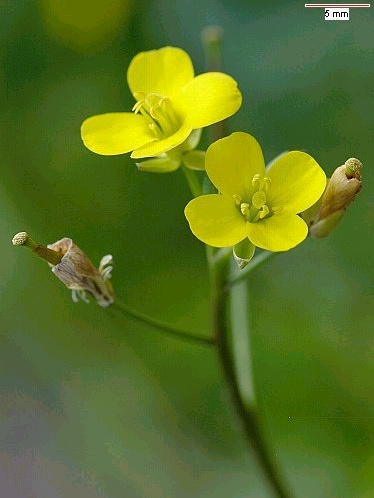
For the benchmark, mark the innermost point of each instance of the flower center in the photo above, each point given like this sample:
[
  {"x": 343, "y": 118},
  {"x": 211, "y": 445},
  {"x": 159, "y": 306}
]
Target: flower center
[
  {"x": 159, "y": 113},
  {"x": 257, "y": 207}
]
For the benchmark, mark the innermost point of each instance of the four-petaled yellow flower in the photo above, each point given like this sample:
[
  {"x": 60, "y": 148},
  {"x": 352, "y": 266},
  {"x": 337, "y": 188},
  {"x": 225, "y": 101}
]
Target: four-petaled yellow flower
[
  {"x": 170, "y": 103},
  {"x": 254, "y": 203}
]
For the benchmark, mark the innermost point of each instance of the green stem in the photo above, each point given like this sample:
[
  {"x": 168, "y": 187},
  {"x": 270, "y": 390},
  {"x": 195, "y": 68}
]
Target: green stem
[
  {"x": 250, "y": 422},
  {"x": 241, "y": 343},
  {"x": 160, "y": 325},
  {"x": 193, "y": 181},
  {"x": 239, "y": 275}
]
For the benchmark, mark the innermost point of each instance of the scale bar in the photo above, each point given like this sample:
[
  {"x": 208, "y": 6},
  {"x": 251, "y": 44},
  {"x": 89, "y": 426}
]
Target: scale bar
[{"x": 337, "y": 5}]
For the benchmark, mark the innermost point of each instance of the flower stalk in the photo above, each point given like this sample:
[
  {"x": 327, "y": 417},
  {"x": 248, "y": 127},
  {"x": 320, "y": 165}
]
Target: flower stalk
[{"x": 248, "y": 417}]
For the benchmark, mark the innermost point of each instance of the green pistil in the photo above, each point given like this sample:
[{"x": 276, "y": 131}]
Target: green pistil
[
  {"x": 23, "y": 239},
  {"x": 258, "y": 199},
  {"x": 257, "y": 209}
]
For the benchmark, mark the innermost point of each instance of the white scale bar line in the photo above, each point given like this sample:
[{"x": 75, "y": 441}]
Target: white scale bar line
[{"x": 337, "y": 5}]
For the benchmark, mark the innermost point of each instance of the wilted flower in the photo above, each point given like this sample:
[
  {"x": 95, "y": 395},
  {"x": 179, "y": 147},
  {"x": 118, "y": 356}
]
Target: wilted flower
[
  {"x": 171, "y": 102},
  {"x": 78, "y": 273},
  {"x": 74, "y": 269}
]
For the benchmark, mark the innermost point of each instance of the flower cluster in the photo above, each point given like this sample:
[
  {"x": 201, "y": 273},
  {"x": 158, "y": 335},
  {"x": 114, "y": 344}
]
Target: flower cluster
[{"x": 254, "y": 206}]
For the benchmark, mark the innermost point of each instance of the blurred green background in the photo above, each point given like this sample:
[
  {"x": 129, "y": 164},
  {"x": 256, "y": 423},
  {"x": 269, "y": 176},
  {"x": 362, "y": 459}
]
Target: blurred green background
[{"x": 95, "y": 405}]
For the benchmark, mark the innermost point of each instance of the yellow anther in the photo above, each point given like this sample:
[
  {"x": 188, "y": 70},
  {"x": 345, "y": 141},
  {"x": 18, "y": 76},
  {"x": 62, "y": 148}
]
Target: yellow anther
[
  {"x": 256, "y": 179},
  {"x": 244, "y": 208},
  {"x": 158, "y": 111},
  {"x": 237, "y": 199},
  {"x": 266, "y": 183},
  {"x": 264, "y": 211}
]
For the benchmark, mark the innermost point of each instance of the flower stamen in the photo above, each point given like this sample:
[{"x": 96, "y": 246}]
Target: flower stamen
[
  {"x": 237, "y": 199},
  {"x": 257, "y": 209},
  {"x": 245, "y": 208},
  {"x": 158, "y": 112}
]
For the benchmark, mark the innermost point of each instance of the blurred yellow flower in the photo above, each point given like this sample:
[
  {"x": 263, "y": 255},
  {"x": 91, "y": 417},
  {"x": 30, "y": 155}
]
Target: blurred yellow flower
[
  {"x": 255, "y": 204},
  {"x": 85, "y": 25},
  {"x": 170, "y": 103}
]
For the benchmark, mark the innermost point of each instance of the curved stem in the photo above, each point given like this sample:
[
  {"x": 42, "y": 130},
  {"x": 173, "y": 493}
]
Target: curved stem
[
  {"x": 160, "y": 325},
  {"x": 250, "y": 422}
]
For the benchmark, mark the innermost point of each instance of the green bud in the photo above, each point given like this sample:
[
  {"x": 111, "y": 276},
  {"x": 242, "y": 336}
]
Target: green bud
[
  {"x": 340, "y": 192},
  {"x": 161, "y": 164},
  {"x": 194, "y": 159},
  {"x": 243, "y": 253}
]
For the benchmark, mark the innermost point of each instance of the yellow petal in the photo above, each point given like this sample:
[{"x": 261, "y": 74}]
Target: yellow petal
[
  {"x": 158, "y": 147},
  {"x": 232, "y": 162},
  {"x": 281, "y": 232},
  {"x": 164, "y": 71},
  {"x": 115, "y": 133},
  {"x": 207, "y": 99},
  {"x": 215, "y": 220},
  {"x": 297, "y": 182}
]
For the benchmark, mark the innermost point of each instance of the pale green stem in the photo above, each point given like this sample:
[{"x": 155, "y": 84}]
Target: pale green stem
[
  {"x": 240, "y": 342},
  {"x": 248, "y": 417},
  {"x": 160, "y": 325},
  {"x": 193, "y": 181}
]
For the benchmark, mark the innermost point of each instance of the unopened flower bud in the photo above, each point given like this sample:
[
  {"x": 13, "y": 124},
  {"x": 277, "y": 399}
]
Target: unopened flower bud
[{"x": 340, "y": 192}]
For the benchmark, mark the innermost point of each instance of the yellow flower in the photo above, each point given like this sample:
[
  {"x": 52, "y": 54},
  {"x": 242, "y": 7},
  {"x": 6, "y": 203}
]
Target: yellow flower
[
  {"x": 254, "y": 204},
  {"x": 170, "y": 103}
]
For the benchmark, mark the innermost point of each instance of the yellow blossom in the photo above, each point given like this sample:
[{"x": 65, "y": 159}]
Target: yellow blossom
[
  {"x": 253, "y": 204},
  {"x": 171, "y": 102}
]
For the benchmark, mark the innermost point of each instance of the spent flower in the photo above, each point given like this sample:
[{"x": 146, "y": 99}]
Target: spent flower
[
  {"x": 74, "y": 269},
  {"x": 171, "y": 102},
  {"x": 255, "y": 206}
]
